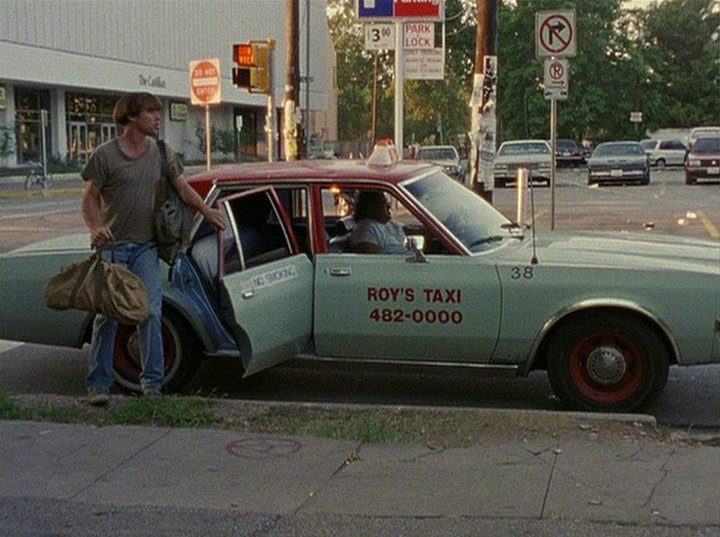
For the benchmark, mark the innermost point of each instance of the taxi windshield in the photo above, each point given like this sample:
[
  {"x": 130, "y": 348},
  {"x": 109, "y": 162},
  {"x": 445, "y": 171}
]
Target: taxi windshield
[{"x": 464, "y": 213}]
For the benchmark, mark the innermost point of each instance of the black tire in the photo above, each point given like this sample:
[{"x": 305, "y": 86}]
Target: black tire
[
  {"x": 660, "y": 163},
  {"x": 689, "y": 179},
  {"x": 607, "y": 361},
  {"x": 182, "y": 350}
]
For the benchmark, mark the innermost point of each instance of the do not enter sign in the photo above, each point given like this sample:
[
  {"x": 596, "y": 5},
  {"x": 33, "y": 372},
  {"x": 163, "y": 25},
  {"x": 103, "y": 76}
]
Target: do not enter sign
[{"x": 205, "y": 82}]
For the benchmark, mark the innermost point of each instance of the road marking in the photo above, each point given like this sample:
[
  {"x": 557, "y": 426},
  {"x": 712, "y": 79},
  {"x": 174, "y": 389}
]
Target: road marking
[
  {"x": 708, "y": 225},
  {"x": 8, "y": 345}
]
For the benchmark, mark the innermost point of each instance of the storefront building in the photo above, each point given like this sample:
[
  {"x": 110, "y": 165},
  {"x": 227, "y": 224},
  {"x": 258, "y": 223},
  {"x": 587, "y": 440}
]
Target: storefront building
[{"x": 64, "y": 64}]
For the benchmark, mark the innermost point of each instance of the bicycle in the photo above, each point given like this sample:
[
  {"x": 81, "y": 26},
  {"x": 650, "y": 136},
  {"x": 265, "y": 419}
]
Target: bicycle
[{"x": 36, "y": 176}]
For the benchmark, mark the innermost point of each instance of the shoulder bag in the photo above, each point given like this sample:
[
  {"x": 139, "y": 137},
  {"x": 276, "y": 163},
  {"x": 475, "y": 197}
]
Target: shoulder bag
[
  {"x": 173, "y": 218},
  {"x": 98, "y": 286}
]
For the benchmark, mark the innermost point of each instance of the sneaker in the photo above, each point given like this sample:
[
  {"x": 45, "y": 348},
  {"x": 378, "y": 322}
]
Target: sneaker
[
  {"x": 98, "y": 396},
  {"x": 151, "y": 391}
]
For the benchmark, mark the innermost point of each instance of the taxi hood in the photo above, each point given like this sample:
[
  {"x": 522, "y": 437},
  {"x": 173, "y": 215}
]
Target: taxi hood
[{"x": 624, "y": 250}]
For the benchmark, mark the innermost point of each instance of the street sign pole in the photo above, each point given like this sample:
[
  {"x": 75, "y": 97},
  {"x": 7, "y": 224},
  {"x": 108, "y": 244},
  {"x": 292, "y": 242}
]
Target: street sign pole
[
  {"x": 207, "y": 136},
  {"x": 553, "y": 145},
  {"x": 399, "y": 80},
  {"x": 205, "y": 89},
  {"x": 555, "y": 40}
]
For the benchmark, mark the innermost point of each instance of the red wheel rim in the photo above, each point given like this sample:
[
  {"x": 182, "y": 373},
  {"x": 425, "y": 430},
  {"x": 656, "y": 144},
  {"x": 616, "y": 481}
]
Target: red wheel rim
[
  {"x": 127, "y": 354},
  {"x": 606, "y": 367}
]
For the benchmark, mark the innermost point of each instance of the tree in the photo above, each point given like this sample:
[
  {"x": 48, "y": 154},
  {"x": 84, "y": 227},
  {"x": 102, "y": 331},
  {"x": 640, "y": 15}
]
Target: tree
[
  {"x": 663, "y": 60},
  {"x": 683, "y": 51},
  {"x": 424, "y": 101}
]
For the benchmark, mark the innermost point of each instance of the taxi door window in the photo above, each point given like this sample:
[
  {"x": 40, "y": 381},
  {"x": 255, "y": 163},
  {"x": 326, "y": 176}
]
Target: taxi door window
[
  {"x": 340, "y": 213},
  {"x": 295, "y": 203},
  {"x": 256, "y": 235}
]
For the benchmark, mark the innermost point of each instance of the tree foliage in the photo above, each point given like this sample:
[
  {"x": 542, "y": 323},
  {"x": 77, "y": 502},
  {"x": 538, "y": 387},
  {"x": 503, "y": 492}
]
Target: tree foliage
[{"x": 663, "y": 60}]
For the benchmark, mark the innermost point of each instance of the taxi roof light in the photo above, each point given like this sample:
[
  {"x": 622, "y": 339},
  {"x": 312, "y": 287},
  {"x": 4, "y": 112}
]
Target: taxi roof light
[{"x": 384, "y": 154}]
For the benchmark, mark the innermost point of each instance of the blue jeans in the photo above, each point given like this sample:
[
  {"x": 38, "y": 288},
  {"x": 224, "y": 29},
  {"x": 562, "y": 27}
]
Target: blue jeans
[{"x": 142, "y": 259}]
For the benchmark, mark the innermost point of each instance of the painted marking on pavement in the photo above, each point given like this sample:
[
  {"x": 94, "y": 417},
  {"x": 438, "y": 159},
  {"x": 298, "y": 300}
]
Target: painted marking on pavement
[
  {"x": 8, "y": 345},
  {"x": 708, "y": 225}
]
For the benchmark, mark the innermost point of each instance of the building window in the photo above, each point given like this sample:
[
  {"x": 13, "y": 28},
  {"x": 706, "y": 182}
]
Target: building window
[
  {"x": 89, "y": 123},
  {"x": 28, "y": 133}
]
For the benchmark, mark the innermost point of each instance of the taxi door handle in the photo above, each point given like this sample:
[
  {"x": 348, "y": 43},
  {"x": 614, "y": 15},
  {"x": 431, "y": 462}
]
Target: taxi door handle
[
  {"x": 248, "y": 294},
  {"x": 345, "y": 271}
]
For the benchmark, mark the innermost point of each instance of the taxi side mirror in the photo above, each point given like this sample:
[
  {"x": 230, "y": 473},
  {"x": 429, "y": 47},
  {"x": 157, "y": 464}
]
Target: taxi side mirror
[{"x": 415, "y": 243}]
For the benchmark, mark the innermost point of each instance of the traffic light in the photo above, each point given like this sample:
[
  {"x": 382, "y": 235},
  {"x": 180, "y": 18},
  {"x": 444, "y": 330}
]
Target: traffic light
[{"x": 253, "y": 65}]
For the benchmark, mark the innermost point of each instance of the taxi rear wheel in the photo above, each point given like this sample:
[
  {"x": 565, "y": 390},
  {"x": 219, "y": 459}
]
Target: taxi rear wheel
[
  {"x": 181, "y": 351},
  {"x": 607, "y": 361}
]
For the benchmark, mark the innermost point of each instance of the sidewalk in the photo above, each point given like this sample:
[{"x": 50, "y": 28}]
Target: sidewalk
[
  {"x": 62, "y": 183},
  {"x": 541, "y": 475}
]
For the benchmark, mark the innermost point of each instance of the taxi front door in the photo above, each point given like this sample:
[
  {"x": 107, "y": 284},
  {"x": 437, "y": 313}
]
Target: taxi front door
[
  {"x": 391, "y": 307},
  {"x": 266, "y": 282}
]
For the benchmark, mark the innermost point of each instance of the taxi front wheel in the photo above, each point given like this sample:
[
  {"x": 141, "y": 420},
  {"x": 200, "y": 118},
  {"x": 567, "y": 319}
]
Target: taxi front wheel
[
  {"x": 181, "y": 350},
  {"x": 607, "y": 361}
]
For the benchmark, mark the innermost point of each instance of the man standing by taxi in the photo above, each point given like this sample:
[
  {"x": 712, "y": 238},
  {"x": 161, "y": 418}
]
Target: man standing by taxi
[{"x": 122, "y": 180}]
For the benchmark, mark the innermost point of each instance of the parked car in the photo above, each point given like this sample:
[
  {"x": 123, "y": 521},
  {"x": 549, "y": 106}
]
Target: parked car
[
  {"x": 703, "y": 132},
  {"x": 619, "y": 162},
  {"x": 703, "y": 161},
  {"x": 535, "y": 155},
  {"x": 474, "y": 291},
  {"x": 665, "y": 152},
  {"x": 568, "y": 153},
  {"x": 445, "y": 155}
]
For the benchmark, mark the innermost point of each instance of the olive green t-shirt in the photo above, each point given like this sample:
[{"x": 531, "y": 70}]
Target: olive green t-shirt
[{"x": 129, "y": 187}]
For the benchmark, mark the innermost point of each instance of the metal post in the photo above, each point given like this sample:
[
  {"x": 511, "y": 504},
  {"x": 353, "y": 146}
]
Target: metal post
[
  {"x": 553, "y": 144},
  {"x": 43, "y": 140},
  {"x": 207, "y": 135},
  {"x": 399, "y": 79},
  {"x": 522, "y": 182},
  {"x": 307, "y": 78},
  {"x": 270, "y": 127}
]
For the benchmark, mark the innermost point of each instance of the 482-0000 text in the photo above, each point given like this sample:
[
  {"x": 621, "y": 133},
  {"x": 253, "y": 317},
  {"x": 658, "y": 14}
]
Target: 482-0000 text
[{"x": 416, "y": 316}]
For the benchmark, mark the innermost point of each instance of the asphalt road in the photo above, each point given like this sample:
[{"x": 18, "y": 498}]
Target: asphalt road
[{"x": 667, "y": 205}]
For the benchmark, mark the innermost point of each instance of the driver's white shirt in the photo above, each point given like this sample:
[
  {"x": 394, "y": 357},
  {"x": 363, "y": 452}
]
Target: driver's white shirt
[{"x": 389, "y": 236}]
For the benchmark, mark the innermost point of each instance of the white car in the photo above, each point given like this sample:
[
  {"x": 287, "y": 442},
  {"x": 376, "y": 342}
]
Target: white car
[
  {"x": 702, "y": 132},
  {"x": 445, "y": 155},
  {"x": 534, "y": 155},
  {"x": 665, "y": 152}
]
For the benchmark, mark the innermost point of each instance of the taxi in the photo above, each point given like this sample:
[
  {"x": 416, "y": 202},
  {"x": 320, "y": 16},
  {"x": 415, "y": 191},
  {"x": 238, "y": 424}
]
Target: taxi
[{"x": 605, "y": 314}]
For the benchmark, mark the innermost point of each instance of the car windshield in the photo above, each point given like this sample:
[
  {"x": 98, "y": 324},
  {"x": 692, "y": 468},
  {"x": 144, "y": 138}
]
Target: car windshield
[
  {"x": 648, "y": 144},
  {"x": 436, "y": 153},
  {"x": 616, "y": 150},
  {"x": 707, "y": 145},
  {"x": 705, "y": 133},
  {"x": 565, "y": 144},
  {"x": 464, "y": 213},
  {"x": 524, "y": 148}
]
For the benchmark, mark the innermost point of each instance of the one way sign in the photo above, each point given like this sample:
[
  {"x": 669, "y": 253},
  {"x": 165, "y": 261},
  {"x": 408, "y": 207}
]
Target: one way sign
[{"x": 555, "y": 34}]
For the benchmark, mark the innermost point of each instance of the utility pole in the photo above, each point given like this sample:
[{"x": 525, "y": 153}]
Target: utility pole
[
  {"x": 483, "y": 101},
  {"x": 292, "y": 79}
]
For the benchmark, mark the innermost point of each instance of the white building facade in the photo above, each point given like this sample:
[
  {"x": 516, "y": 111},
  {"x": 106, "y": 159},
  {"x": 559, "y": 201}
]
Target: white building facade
[{"x": 75, "y": 58}]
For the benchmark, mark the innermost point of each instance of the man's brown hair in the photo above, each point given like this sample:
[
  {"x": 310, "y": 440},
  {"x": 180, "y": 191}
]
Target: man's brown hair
[{"x": 132, "y": 104}]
